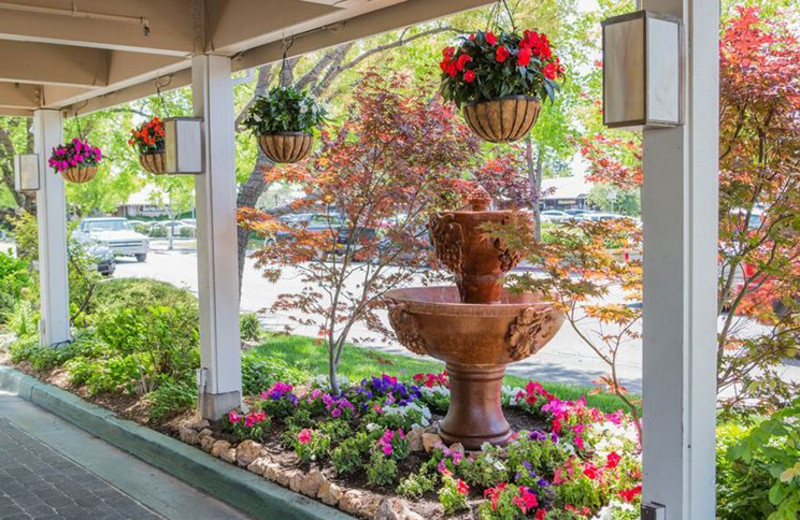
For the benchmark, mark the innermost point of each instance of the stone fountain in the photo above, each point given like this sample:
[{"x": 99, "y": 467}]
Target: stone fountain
[{"x": 477, "y": 327}]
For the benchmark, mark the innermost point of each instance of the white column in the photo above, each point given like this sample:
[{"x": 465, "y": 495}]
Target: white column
[
  {"x": 218, "y": 280},
  {"x": 51, "y": 214},
  {"x": 680, "y": 204}
]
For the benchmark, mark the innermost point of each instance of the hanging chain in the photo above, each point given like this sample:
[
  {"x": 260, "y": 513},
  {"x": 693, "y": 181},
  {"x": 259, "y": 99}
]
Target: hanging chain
[
  {"x": 159, "y": 88},
  {"x": 77, "y": 121},
  {"x": 287, "y": 44}
]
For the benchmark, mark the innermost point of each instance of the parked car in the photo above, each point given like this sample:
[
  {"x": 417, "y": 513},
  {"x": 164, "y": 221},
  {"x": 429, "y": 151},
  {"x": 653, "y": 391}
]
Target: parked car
[
  {"x": 115, "y": 233},
  {"x": 322, "y": 223},
  {"x": 103, "y": 258},
  {"x": 554, "y": 215}
]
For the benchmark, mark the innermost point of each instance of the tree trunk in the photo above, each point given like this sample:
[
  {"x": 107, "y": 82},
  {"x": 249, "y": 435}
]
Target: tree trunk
[
  {"x": 535, "y": 179},
  {"x": 248, "y": 196}
]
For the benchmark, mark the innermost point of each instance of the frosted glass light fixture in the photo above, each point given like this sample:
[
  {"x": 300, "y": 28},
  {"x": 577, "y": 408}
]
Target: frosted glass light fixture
[
  {"x": 183, "y": 145},
  {"x": 26, "y": 172},
  {"x": 643, "y": 71}
]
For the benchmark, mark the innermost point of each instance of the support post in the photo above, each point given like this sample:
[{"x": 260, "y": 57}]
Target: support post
[
  {"x": 51, "y": 215},
  {"x": 680, "y": 204},
  {"x": 220, "y": 378}
]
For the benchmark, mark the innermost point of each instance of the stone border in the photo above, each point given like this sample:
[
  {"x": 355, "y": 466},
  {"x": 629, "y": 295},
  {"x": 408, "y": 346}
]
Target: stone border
[{"x": 241, "y": 489}]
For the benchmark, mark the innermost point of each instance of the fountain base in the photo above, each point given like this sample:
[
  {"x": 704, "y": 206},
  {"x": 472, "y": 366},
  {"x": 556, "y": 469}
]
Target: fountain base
[{"x": 475, "y": 415}]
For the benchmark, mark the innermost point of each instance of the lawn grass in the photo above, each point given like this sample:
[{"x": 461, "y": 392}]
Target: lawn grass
[{"x": 359, "y": 362}]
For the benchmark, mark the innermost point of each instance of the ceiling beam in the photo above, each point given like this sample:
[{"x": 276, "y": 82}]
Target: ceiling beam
[
  {"x": 19, "y": 96},
  {"x": 391, "y": 18},
  {"x": 173, "y": 26},
  {"x": 31, "y": 62},
  {"x": 394, "y": 17}
]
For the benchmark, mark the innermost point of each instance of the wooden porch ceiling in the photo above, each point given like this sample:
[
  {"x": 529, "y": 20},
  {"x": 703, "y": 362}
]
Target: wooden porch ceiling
[{"x": 95, "y": 54}]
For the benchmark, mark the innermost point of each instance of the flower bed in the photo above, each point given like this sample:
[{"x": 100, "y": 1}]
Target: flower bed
[{"x": 373, "y": 451}]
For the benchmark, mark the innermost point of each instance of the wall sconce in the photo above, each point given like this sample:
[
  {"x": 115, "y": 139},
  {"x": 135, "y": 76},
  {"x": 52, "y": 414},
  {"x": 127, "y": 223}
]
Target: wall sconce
[
  {"x": 183, "y": 145},
  {"x": 26, "y": 172},
  {"x": 643, "y": 71}
]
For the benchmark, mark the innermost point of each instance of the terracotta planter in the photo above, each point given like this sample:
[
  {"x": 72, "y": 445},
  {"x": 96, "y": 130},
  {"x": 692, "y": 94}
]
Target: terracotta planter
[
  {"x": 286, "y": 147},
  {"x": 154, "y": 162},
  {"x": 502, "y": 120},
  {"x": 79, "y": 175}
]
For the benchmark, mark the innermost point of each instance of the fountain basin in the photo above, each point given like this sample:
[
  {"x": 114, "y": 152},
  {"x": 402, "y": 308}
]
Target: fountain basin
[{"x": 475, "y": 341}]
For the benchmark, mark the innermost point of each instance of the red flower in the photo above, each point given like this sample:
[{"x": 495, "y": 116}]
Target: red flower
[
  {"x": 550, "y": 71},
  {"x": 469, "y": 76},
  {"x": 471, "y": 37},
  {"x": 462, "y": 61},
  {"x": 613, "y": 460},
  {"x": 502, "y": 54},
  {"x": 524, "y": 57},
  {"x": 540, "y": 514},
  {"x": 451, "y": 69},
  {"x": 591, "y": 471},
  {"x": 629, "y": 495},
  {"x": 491, "y": 39},
  {"x": 526, "y": 501},
  {"x": 448, "y": 53},
  {"x": 462, "y": 487}
]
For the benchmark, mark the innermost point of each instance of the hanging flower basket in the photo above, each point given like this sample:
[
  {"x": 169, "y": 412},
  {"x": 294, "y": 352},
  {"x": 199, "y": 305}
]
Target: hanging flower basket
[
  {"x": 79, "y": 175},
  {"x": 499, "y": 81},
  {"x": 283, "y": 122},
  {"x": 502, "y": 120},
  {"x": 76, "y": 161},
  {"x": 154, "y": 163},
  {"x": 148, "y": 140},
  {"x": 286, "y": 147}
]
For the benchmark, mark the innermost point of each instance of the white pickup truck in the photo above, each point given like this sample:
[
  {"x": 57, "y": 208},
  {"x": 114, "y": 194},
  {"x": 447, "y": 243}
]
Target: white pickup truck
[{"x": 117, "y": 234}]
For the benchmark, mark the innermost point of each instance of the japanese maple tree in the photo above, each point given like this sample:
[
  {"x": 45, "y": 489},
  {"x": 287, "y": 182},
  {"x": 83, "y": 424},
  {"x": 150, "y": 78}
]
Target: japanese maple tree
[
  {"x": 759, "y": 252},
  {"x": 375, "y": 181}
]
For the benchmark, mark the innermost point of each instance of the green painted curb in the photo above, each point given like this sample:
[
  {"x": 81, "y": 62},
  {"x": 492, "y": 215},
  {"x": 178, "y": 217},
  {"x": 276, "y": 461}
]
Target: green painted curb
[{"x": 241, "y": 489}]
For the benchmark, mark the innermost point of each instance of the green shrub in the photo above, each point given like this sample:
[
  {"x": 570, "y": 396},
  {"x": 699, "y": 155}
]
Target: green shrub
[
  {"x": 157, "y": 232},
  {"x": 381, "y": 470},
  {"x": 250, "y": 327},
  {"x": 416, "y": 485},
  {"x": 23, "y": 320},
  {"x": 14, "y": 277},
  {"x": 348, "y": 457},
  {"x": 260, "y": 372},
  {"x": 759, "y": 468},
  {"x": 170, "y": 399},
  {"x": 141, "y": 292},
  {"x": 186, "y": 232},
  {"x": 41, "y": 357},
  {"x": 162, "y": 341}
]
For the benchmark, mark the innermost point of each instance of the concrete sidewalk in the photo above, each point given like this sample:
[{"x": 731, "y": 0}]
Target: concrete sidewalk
[{"x": 50, "y": 469}]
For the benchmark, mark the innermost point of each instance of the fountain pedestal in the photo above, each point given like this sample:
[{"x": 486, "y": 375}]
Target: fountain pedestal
[
  {"x": 478, "y": 327},
  {"x": 475, "y": 415}
]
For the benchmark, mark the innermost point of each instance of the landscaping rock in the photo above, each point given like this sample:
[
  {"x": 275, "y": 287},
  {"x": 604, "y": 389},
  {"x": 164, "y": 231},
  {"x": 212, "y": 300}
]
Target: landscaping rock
[
  {"x": 430, "y": 440},
  {"x": 285, "y": 476},
  {"x": 207, "y": 442},
  {"x": 330, "y": 493},
  {"x": 271, "y": 471},
  {"x": 311, "y": 483},
  {"x": 205, "y": 432},
  {"x": 228, "y": 455},
  {"x": 396, "y": 509},
  {"x": 188, "y": 435},
  {"x": 258, "y": 466},
  {"x": 361, "y": 503},
  {"x": 457, "y": 448},
  {"x": 197, "y": 424},
  {"x": 296, "y": 478},
  {"x": 218, "y": 447},
  {"x": 247, "y": 452},
  {"x": 414, "y": 438}
]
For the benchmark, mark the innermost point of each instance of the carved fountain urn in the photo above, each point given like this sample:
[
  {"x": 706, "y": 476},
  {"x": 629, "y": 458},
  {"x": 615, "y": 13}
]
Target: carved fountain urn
[{"x": 477, "y": 327}]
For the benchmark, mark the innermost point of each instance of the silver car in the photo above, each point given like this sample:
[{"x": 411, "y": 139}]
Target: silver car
[{"x": 117, "y": 234}]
